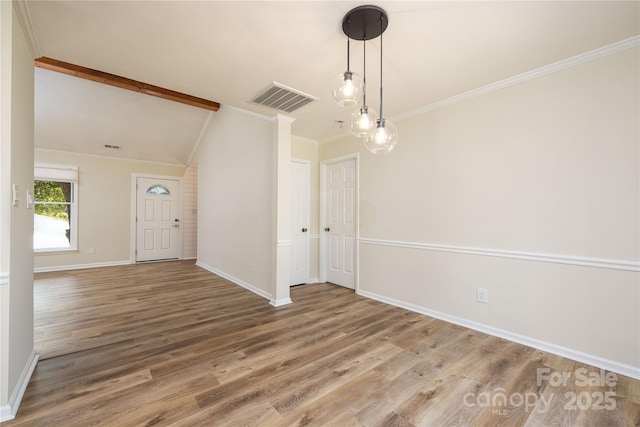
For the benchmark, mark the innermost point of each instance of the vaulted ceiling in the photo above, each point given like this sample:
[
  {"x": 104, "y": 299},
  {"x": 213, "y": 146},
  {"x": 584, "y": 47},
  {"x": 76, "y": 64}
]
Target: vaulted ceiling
[{"x": 227, "y": 51}]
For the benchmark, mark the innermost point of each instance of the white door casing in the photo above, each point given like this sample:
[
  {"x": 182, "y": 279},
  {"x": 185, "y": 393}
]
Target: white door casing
[
  {"x": 300, "y": 188},
  {"x": 157, "y": 219},
  {"x": 339, "y": 222}
]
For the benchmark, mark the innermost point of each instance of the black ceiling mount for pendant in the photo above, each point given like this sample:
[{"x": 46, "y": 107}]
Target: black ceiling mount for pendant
[{"x": 363, "y": 22}]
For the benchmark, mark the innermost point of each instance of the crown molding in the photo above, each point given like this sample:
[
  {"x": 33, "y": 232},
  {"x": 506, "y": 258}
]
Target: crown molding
[
  {"x": 100, "y": 156},
  {"x": 284, "y": 118},
  {"x": 341, "y": 135},
  {"x": 250, "y": 113},
  {"x": 22, "y": 10},
  {"x": 511, "y": 81},
  {"x": 524, "y": 77},
  {"x": 303, "y": 139}
]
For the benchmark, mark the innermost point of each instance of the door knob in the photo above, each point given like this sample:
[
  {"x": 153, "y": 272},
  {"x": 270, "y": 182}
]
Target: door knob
[
  {"x": 327, "y": 229},
  {"x": 304, "y": 230}
]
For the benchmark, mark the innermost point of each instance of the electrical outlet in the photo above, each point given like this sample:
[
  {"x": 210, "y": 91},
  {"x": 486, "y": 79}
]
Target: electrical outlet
[
  {"x": 253, "y": 266},
  {"x": 29, "y": 200},
  {"x": 482, "y": 295},
  {"x": 92, "y": 250}
]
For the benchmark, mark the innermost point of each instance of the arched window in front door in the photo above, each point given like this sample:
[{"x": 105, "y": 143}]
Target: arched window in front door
[{"x": 158, "y": 190}]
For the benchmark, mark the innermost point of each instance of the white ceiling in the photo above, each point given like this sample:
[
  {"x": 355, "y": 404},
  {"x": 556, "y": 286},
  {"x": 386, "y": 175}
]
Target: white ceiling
[{"x": 227, "y": 51}]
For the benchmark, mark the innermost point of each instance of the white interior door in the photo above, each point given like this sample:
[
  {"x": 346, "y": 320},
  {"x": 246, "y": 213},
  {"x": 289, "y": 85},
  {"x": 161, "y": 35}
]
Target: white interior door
[
  {"x": 157, "y": 219},
  {"x": 340, "y": 223},
  {"x": 300, "y": 183}
]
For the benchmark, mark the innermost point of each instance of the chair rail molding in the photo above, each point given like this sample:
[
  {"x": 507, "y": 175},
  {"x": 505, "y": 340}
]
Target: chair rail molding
[{"x": 614, "y": 264}]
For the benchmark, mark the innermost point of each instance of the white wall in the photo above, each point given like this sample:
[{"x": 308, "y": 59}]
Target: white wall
[
  {"x": 17, "y": 357},
  {"x": 104, "y": 207},
  {"x": 235, "y": 198},
  {"x": 548, "y": 167}
]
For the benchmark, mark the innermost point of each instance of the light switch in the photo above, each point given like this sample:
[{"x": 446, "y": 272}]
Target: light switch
[{"x": 16, "y": 195}]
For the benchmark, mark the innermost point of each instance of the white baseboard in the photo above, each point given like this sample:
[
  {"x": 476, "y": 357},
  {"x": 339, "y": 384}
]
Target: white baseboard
[
  {"x": 589, "y": 359},
  {"x": 280, "y": 302},
  {"x": 235, "y": 280},
  {"x": 5, "y": 413},
  {"x": 313, "y": 280},
  {"x": 80, "y": 266},
  {"x": 9, "y": 411}
]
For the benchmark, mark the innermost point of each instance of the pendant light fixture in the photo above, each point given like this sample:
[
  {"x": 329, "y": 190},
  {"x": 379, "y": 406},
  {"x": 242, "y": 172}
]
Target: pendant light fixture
[
  {"x": 363, "y": 119},
  {"x": 384, "y": 137},
  {"x": 366, "y": 23},
  {"x": 349, "y": 87}
]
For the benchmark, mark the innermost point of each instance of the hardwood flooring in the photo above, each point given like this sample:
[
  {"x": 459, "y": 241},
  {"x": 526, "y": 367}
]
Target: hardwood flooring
[{"x": 172, "y": 344}]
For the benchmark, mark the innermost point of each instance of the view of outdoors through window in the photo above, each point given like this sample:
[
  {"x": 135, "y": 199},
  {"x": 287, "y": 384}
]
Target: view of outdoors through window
[{"x": 52, "y": 219}]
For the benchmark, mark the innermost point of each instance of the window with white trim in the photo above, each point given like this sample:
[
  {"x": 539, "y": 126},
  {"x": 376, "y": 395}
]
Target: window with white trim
[{"x": 55, "y": 200}]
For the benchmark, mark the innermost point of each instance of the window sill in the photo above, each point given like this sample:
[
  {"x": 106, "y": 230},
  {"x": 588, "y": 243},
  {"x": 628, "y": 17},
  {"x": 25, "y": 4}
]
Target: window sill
[{"x": 54, "y": 251}]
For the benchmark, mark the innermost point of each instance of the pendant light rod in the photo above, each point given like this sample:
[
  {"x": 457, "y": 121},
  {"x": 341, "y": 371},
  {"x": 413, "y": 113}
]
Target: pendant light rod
[
  {"x": 364, "y": 72},
  {"x": 348, "y": 49},
  {"x": 381, "y": 31}
]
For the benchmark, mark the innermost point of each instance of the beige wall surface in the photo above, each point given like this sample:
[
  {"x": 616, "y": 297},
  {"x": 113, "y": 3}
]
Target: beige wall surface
[
  {"x": 16, "y": 222},
  {"x": 235, "y": 198},
  {"x": 104, "y": 207},
  {"x": 548, "y": 167}
]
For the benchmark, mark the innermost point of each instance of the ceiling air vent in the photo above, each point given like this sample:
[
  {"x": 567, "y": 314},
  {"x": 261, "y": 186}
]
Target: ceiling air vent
[{"x": 282, "y": 98}]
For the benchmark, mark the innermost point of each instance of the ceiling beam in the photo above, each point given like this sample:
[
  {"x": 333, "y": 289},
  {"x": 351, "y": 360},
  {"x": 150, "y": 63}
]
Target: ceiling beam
[{"x": 124, "y": 83}]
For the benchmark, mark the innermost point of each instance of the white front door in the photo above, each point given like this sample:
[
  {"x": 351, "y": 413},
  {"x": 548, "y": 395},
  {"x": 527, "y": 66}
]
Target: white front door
[
  {"x": 300, "y": 178},
  {"x": 340, "y": 222},
  {"x": 157, "y": 219}
]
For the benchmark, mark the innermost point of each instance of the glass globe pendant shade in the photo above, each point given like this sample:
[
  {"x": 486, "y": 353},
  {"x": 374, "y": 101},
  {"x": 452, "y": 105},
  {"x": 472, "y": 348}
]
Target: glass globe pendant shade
[
  {"x": 348, "y": 89},
  {"x": 383, "y": 138},
  {"x": 363, "y": 121}
]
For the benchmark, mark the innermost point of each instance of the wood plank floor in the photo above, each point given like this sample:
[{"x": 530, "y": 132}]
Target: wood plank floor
[{"x": 172, "y": 344}]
